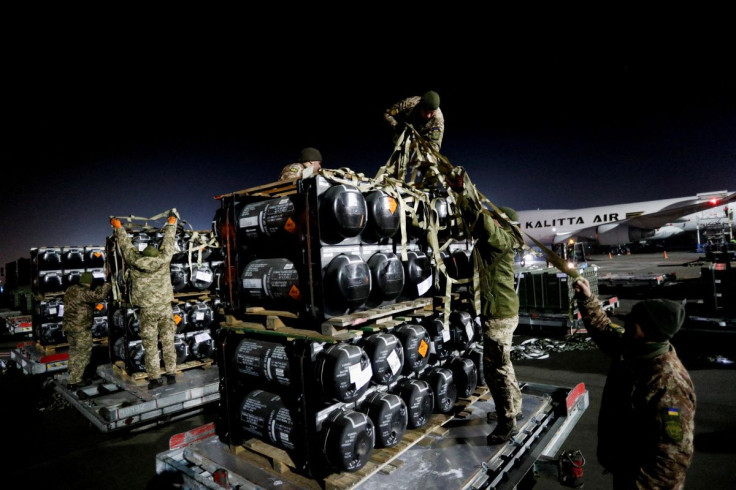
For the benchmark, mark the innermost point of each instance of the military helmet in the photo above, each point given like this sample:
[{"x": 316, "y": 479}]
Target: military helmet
[
  {"x": 86, "y": 279},
  {"x": 310, "y": 154},
  {"x": 511, "y": 213},
  {"x": 431, "y": 100},
  {"x": 150, "y": 251}
]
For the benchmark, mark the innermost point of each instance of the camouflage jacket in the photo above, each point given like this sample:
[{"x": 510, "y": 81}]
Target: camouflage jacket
[
  {"x": 406, "y": 111},
  {"x": 293, "y": 171},
  {"x": 150, "y": 276},
  {"x": 79, "y": 302},
  {"x": 493, "y": 256},
  {"x": 646, "y": 421}
]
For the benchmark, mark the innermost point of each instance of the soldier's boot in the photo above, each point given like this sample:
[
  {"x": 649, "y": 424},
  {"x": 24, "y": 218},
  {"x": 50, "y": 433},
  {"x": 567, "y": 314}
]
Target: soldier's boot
[
  {"x": 505, "y": 429},
  {"x": 171, "y": 379},
  {"x": 493, "y": 416},
  {"x": 155, "y": 383}
]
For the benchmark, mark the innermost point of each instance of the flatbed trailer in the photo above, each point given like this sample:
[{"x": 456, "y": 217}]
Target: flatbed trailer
[
  {"x": 116, "y": 401},
  {"x": 450, "y": 452}
]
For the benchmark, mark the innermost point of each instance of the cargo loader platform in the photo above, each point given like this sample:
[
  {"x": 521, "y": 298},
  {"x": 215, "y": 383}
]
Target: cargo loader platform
[
  {"x": 116, "y": 402},
  {"x": 450, "y": 452}
]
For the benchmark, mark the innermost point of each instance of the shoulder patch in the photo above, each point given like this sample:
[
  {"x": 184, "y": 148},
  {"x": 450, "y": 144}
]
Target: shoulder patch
[{"x": 672, "y": 424}]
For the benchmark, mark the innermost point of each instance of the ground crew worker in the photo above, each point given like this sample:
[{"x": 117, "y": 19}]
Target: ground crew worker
[
  {"x": 646, "y": 420},
  {"x": 423, "y": 113},
  {"x": 152, "y": 292},
  {"x": 308, "y": 158},
  {"x": 79, "y": 302},
  {"x": 493, "y": 258}
]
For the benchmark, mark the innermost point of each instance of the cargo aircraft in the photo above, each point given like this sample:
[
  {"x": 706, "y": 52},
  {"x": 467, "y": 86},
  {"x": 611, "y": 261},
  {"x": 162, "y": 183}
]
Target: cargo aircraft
[{"x": 621, "y": 224}]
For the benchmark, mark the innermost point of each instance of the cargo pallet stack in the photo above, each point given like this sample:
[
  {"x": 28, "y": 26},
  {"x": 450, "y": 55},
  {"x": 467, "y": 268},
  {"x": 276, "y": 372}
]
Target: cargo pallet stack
[
  {"x": 347, "y": 331},
  {"x": 53, "y": 270}
]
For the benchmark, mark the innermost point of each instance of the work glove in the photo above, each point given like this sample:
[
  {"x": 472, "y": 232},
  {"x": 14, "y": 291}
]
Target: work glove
[
  {"x": 456, "y": 179},
  {"x": 115, "y": 223}
]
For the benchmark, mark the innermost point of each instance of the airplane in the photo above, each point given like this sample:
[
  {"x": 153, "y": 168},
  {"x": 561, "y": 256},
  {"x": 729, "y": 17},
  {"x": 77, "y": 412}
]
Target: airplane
[{"x": 621, "y": 224}]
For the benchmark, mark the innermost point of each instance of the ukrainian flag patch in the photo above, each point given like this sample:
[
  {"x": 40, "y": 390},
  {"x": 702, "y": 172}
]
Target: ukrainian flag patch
[{"x": 672, "y": 424}]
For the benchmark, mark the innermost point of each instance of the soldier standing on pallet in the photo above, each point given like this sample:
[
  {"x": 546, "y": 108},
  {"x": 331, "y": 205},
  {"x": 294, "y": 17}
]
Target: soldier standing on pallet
[
  {"x": 79, "y": 303},
  {"x": 493, "y": 255},
  {"x": 152, "y": 291}
]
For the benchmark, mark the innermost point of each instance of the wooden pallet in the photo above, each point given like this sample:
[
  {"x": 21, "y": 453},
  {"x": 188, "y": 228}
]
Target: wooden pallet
[
  {"x": 377, "y": 318},
  {"x": 141, "y": 377},
  {"x": 272, "y": 189},
  {"x": 50, "y": 349},
  {"x": 272, "y": 322}
]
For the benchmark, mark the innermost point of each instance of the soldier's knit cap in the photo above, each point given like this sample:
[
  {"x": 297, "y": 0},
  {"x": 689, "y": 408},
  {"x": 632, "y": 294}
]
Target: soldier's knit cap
[
  {"x": 86, "y": 279},
  {"x": 150, "y": 251},
  {"x": 310, "y": 154},
  {"x": 660, "y": 319},
  {"x": 431, "y": 100}
]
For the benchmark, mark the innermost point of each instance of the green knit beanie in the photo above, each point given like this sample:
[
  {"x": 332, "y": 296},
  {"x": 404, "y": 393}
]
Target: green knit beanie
[
  {"x": 431, "y": 100},
  {"x": 86, "y": 279},
  {"x": 659, "y": 319},
  {"x": 310, "y": 155},
  {"x": 150, "y": 251}
]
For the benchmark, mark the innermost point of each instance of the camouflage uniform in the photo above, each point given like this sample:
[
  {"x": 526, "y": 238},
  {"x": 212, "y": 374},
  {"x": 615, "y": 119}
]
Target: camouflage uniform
[
  {"x": 152, "y": 291},
  {"x": 646, "y": 421},
  {"x": 407, "y": 111},
  {"x": 293, "y": 171},
  {"x": 493, "y": 256},
  {"x": 79, "y": 302}
]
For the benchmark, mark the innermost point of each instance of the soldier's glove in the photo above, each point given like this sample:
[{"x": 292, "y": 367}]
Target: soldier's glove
[
  {"x": 456, "y": 179},
  {"x": 115, "y": 223}
]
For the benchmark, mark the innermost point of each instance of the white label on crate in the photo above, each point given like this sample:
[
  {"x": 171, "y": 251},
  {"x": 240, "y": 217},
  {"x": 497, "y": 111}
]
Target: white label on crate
[
  {"x": 561, "y": 275},
  {"x": 394, "y": 362},
  {"x": 61, "y": 310},
  {"x": 469, "y": 331},
  {"x": 288, "y": 266},
  {"x": 432, "y": 350},
  {"x": 98, "y": 274},
  {"x": 360, "y": 377},
  {"x": 199, "y": 316},
  {"x": 202, "y": 337},
  {"x": 249, "y": 222},
  {"x": 424, "y": 286},
  {"x": 445, "y": 334},
  {"x": 52, "y": 311},
  {"x": 279, "y": 373},
  {"x": 252, "y": 283},
  {"x": 203, "y": 276}
]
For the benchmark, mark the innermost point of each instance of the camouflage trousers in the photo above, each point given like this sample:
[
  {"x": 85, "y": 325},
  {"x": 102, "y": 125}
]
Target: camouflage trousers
[
  {"x": 498, "y": 370},
  {"x": 80, "y": 353},
  {"x": 157, "y": 323}
]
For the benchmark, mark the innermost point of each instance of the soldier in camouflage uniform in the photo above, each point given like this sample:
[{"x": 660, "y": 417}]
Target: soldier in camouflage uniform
[
  {"x": 423, "y": 113},
  {"x": 646, "y": 421},
  {"x": 493, "y": 257},
  {"x": 309, "y": 157},
  {"x": 79, "y": 302},
  {"x": 151, "y": 290}
]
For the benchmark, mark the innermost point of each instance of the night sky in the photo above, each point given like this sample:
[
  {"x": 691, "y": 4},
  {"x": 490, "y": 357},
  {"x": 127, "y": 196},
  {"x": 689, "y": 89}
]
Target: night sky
[{"x": 122, "y": 125}]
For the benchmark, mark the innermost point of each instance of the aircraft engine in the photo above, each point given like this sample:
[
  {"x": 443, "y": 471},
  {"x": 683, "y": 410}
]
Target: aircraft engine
[{"x": 616, "y": 234}]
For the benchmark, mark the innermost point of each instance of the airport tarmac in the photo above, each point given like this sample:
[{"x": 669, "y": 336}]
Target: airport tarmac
[{"x": 48, "y": 444}]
